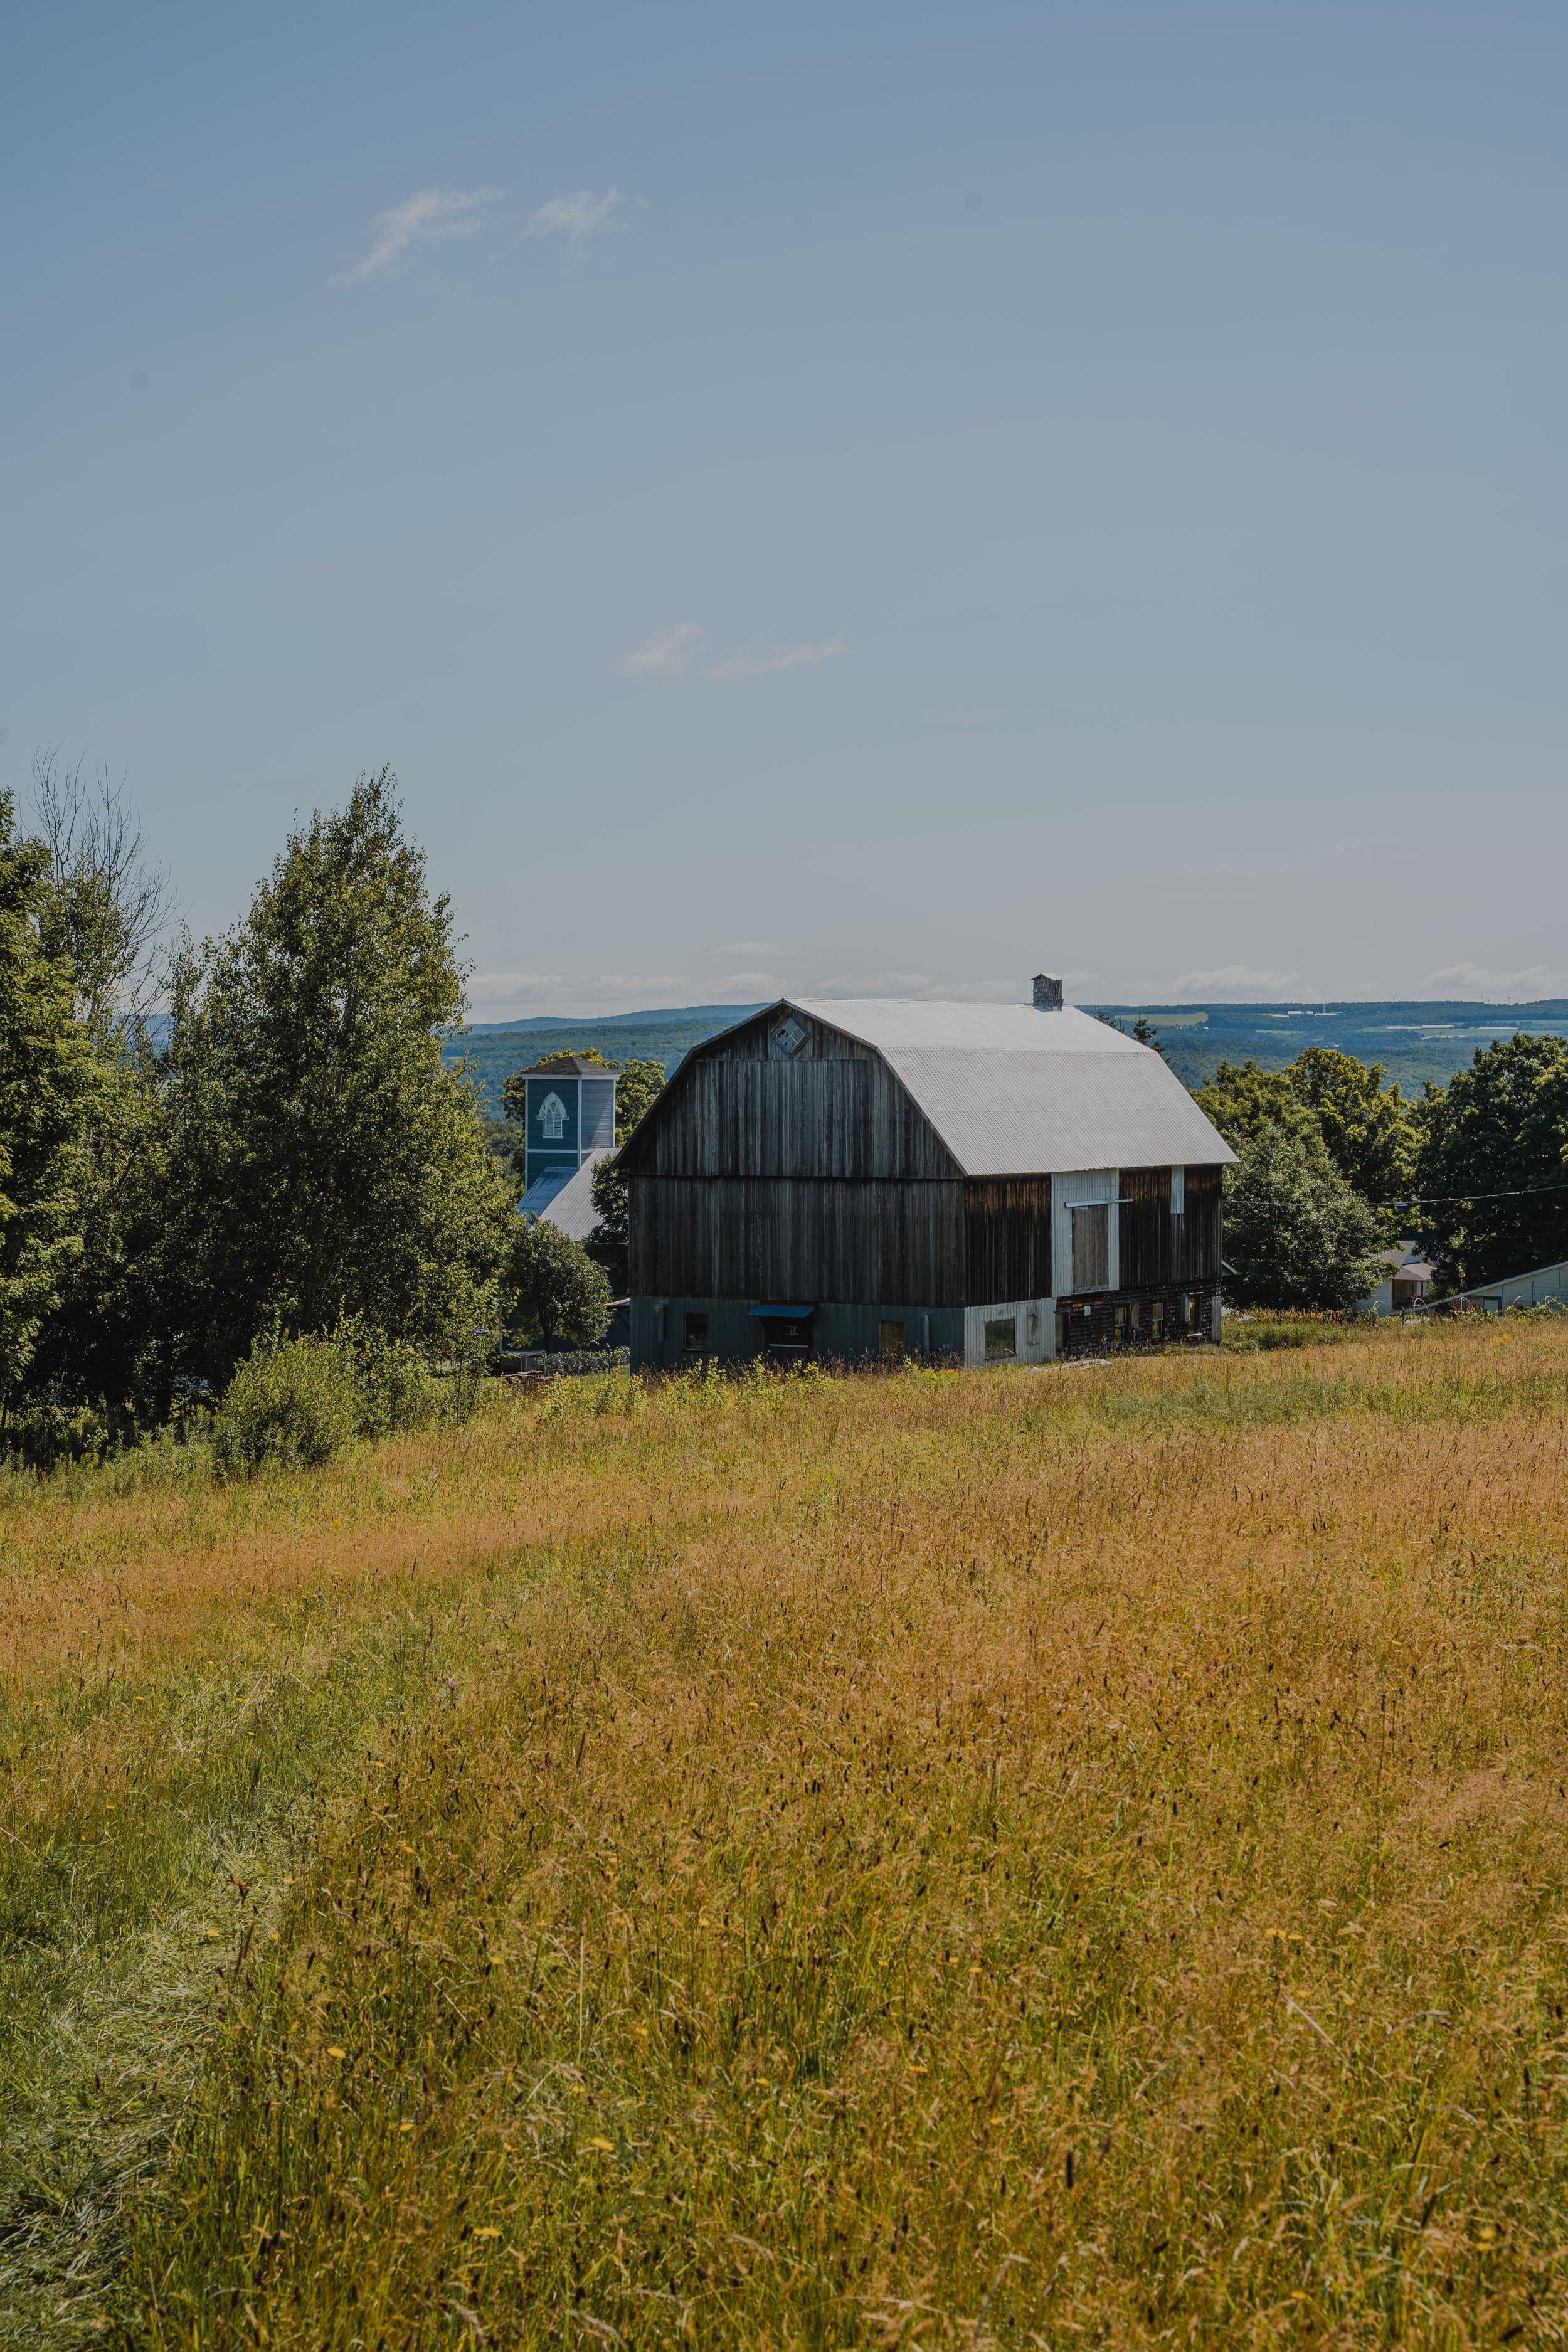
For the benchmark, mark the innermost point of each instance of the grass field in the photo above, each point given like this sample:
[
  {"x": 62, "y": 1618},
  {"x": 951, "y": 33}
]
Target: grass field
[{"x": 1072, "y": 1856}]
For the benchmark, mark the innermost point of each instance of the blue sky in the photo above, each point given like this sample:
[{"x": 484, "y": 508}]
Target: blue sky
[{"x": 866, "y": 497}]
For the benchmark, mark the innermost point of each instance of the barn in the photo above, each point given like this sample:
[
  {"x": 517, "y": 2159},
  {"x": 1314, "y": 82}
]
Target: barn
[{"x": 974, "y": 1182}]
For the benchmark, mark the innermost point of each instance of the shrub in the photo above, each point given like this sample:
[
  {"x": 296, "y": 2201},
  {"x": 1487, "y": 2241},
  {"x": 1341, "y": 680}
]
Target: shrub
[
  {"x": 393, "y": 1388},
  {"x": 292, "y": 1401}
]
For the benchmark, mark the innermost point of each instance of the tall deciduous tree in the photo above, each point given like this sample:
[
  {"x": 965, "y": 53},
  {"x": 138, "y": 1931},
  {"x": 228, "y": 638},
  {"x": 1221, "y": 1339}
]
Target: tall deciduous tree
[
  {"x": 51, "y": 1083},
  {"x": 324, "y": 1164},
  {"x": 1494, "y": 1162},
  {"x": 104, "y": 911},
  {"x": 557, "y": 1290},
  {"x": 1369, "y": 1130},
  {"x": 1295, "y": 1234}
]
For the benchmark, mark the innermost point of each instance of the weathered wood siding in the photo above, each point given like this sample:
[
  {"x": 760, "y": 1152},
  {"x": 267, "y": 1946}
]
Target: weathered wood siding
[
  {"x": 832, "y": 1110},
  {"x": 1007, "y": 1237},
  {"x": 797, "y": 1238},
  {"x": 1158, "y": 1249}
]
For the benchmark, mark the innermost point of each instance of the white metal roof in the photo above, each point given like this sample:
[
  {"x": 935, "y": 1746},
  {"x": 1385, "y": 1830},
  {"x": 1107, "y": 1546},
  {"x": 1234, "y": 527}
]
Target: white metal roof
[
  {"x": 896, "y": 1022},
  {"x": 569, "y": 1207},
  {"x": 1017, "y": 1092}
]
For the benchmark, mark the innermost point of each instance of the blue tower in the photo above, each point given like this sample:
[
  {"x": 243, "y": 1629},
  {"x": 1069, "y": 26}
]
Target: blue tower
[{"x": 569, "y": 1120}]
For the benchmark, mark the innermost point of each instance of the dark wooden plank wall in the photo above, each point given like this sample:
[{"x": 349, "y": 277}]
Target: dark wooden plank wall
[
  {"x": 745, "y": 1110},
  {"x": 1008, "y": 1238},
  {"x": 791, "y": 1238},
  {"x": 1157, "y": 1249}
]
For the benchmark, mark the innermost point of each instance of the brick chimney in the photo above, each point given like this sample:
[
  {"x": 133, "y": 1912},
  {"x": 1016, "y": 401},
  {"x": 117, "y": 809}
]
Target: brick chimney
[{"x": 1048, "y": 992}]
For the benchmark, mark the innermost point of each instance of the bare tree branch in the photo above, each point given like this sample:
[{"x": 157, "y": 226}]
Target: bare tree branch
[{"x": 112, "y": 903}]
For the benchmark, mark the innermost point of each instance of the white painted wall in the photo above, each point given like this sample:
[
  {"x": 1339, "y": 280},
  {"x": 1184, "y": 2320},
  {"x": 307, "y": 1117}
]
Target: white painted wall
[
  {"x": 1079, "y": 1191},
  {"x": 1036, "y": 1322}
]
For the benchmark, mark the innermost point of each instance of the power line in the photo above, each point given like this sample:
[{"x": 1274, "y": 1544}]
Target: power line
[{"x": 1416, "y": 1199}]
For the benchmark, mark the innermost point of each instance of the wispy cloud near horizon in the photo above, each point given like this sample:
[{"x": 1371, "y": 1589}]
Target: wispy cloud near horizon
[
  {"x": 1236, "y": 979},
  {"x": 577, "y": 216},
  {"x": 429, "y": 216},
  {"x": 682, "y": 650},
  {"x": 668, "y": 653},
  {"x": 778, "y": 659},
  {"x": 1538, "y": 977}
]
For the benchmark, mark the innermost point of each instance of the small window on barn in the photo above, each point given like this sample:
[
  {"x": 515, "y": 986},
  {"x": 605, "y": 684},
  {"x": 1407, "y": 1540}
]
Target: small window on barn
[
  {"x": 1001, "y": 1337},
  {"x": 789, "y": 1037},
  {"x": 695, "y": 1333},
  {"x": 890, "y": 1342},
  {"x": 1178, "y": 1192},
  {"x": 1092, "y": 1247}
]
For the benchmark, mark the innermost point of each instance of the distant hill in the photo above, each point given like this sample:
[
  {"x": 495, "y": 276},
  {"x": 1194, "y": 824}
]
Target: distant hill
[
  {"x": 1415, "y": 1041},
  {"x": 495, "y": 1049}
]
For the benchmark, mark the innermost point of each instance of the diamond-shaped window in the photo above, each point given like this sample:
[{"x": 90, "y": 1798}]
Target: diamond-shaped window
[{"x": 789, "y": 1037}]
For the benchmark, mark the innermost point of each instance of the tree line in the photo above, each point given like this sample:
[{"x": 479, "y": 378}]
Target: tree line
[
  {"x": 259, "y": 1132},
  {"x": 279, "y": 1145},
  {"x": 1334, "y": 1166}
]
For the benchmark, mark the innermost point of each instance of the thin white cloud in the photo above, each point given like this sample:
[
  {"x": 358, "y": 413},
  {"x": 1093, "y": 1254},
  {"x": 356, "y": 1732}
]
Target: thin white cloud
[
  {"x": 429, "y": 216},
  {"x": 1536, "y": 979},
  {"x": 577, "y": 216},
  {"x": 769, "y": 662},
  {"x": 1236, "y": 979},
  {"x": 682, "y": 650},
  {"x": 512, "y": 995},
  {"x": 921, "y": 984},
  {"x": 669, "y": 653}
]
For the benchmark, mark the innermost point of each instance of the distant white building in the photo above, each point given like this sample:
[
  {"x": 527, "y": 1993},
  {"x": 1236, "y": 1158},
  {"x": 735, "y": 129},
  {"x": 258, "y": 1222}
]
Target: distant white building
[
  {"x": 1407, "y": 1282},
  {"x": 1546, "y": 1286}
]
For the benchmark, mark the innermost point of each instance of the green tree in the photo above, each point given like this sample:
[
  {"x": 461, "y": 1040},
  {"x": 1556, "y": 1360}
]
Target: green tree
[
  {"x": 107, "y": 904},
  {"x": 1494, "y": 1162},
  {"x": 611, "y": 1239},
  {"x": 1241, "y": 1099},
  {"x": 324, "y": 1164},
  {"x": 1369, "y": 1130},
  {"x": 642, "y": 1083},
  {"x": 50, "y": 1085},
  {"x": 558, "y": 1292},
  {"x": 102, "y": 916},
  {"x": 1295, "y": 1232}
]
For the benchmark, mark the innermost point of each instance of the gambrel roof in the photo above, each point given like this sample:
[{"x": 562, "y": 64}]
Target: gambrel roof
[{"x": 1012, "y": 1091}]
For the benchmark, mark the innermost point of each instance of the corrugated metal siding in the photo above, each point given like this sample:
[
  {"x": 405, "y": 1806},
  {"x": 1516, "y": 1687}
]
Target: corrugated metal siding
[{"x": 778, "y": 1238}]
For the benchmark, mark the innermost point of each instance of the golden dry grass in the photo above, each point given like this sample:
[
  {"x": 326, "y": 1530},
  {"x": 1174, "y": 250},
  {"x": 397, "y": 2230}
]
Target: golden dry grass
[{"x": 1013, "y": 1858}]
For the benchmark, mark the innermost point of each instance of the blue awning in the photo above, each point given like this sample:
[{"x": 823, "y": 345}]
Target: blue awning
[{"x": 786, "y": 1314}]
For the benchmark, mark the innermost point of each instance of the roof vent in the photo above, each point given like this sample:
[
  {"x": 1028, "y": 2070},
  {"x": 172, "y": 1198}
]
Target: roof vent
[{"x": 1048, "y": 992}]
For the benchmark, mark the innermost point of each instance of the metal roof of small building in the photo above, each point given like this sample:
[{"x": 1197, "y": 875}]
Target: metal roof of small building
[
  {"x": 567, "y": 1205},
  {"x": 1013, "y": 1091},
  {"x": 570, "y": 1065}
]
